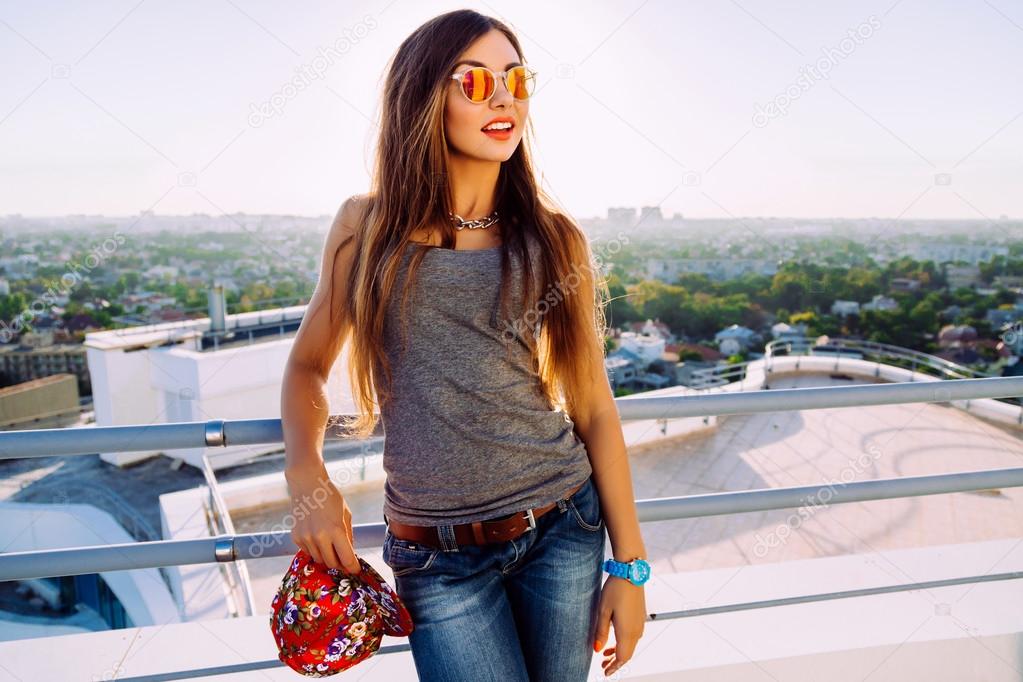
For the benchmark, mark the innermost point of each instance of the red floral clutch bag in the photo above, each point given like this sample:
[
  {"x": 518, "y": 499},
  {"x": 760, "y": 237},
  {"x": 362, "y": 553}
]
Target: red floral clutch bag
[{"x": 326, "y": 620}]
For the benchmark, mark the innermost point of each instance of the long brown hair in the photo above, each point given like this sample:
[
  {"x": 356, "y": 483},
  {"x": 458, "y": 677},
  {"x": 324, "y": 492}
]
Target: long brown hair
[{"x": 410, "y": 192}]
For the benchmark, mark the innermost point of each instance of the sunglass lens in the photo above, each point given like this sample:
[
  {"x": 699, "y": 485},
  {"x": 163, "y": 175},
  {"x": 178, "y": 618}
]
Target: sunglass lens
[
  {"x": 478, "y": 84},
  {"x": 520, "y": 83}
]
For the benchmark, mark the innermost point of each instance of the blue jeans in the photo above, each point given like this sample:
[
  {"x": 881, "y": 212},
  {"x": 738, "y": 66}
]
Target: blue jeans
[{"x": 522, "y": 610}]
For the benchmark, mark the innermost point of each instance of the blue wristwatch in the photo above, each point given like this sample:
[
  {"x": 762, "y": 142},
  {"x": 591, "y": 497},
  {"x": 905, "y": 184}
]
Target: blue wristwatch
[{"x": 636, "y": 571}]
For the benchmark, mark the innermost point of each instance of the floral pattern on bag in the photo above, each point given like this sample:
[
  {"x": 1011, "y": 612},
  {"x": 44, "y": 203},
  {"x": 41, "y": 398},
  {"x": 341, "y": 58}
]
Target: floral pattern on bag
[{"x": 325, "y": 620}]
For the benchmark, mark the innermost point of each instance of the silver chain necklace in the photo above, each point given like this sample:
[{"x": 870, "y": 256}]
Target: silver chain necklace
[{"x": 475, "y": 224}]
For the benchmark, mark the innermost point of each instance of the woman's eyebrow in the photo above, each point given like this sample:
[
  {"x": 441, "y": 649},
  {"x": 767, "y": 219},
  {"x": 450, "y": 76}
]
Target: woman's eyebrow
[{"x": 472, "y": 62}]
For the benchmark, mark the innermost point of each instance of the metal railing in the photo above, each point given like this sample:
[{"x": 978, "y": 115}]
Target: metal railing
[
  {"x": 918, "y": 361},
  {"x": 233, "y": 547},
  {"x": 720, "y": 375},
  {"x": 219, "y": 523}
]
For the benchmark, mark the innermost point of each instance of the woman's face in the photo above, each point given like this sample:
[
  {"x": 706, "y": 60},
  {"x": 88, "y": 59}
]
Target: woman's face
[{"x": 464, "y": 120}]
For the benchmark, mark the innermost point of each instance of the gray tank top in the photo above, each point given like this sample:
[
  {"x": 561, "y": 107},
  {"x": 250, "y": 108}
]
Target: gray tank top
[{"x": 468, "y": 434}]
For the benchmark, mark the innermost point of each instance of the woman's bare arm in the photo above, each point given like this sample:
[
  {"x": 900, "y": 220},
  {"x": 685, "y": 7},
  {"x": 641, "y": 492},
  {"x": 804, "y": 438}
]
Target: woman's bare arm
[
  {"x": 323, "y": 521},
  {"x": 600, "y": 428},
  {"x": 622, "y": 604}
]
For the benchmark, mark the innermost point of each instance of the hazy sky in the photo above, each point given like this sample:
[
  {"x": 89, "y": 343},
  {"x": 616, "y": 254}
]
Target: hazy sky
[{"x": 117, "y": 107}]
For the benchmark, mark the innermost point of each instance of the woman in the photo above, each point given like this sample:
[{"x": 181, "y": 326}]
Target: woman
[{"x": 496, "y": 503}]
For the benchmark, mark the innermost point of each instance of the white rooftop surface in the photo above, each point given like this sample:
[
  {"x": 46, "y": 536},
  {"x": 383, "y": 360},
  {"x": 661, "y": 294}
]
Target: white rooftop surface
[{"x": 962, "y": 632}]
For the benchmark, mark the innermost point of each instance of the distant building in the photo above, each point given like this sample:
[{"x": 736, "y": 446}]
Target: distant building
[
  {"x": 946, "y": 252},
  {"x": 621, "y": 370},
  {"x": 1010, "y": 282},
  {"x": 706, "y": 353},
  {"x": 962, "y": 276},
  {"x": 36, "y": 360},
  {"x": 162, "y": 272},
  {"x": 627, "y": 367},
  {"x": 905, "y": 284},
  {"x": 842, "y": 308},
  {"x": 650, "y": 215},
  {"x": 652, "y": 328},
  {"x": 47, "y": 403},
  {"x": 644, "y": 348},
  {"x": 735, "y": 339},
  {"x": 881, "y": 302},
  {"x": 668, "y": 270},
  {"x": 149, "y": 300},
  {"x": 622, "y": 216},
  {"x": 783, "y": 332}
]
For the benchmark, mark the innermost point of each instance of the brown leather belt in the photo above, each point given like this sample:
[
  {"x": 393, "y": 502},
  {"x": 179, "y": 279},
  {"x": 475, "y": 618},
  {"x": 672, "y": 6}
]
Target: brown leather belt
[{"x": 478, "y": 532}]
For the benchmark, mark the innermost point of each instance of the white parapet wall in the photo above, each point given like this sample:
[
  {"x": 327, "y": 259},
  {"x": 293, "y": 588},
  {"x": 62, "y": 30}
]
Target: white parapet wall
[{"x": 760, "y": 370}]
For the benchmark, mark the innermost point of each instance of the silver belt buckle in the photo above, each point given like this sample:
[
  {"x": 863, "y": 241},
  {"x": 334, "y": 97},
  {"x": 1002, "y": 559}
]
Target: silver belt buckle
[{"x": 532, "y": 519}]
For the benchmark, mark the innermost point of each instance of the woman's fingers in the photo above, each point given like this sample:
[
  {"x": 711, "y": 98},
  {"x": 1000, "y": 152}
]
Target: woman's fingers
[
  {"x": 350, "y": 535},
  {"x": 626, "y": 646},
  {"x": 330, "y": 557},
  {"x": 313, "y": 552},
  {"x": 325, "y": 533},
  {"x": 346, "y": 550},
  {"x": 608, "y": 652}
]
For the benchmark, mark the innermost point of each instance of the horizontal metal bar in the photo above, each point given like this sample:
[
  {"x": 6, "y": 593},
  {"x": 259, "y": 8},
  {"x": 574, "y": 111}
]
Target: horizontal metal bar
[
  {"x": 843, "y": 594},
  {"x": 212, "y": 671},
  {"x": 165, "y": 437},
  {"x": 49, "y": 563},
  {"x": 82, "y": 560},
  {"x": 818, "y": 397},
  {"x": 148, "y": 437},
  {"x": 824, "y": 494}
]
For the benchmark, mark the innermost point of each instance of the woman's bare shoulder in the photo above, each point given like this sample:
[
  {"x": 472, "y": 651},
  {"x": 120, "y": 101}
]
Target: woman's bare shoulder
[{"x": 350, "y": 216}]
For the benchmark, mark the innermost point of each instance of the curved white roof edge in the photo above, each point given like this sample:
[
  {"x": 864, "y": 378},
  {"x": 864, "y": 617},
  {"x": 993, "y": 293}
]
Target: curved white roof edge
[{"x": 30, "y": 526}]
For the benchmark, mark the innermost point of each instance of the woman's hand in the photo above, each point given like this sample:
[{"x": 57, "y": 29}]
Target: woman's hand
[
  {"x": 624, "y": 604},
  {"x": 323, "y": 521}
]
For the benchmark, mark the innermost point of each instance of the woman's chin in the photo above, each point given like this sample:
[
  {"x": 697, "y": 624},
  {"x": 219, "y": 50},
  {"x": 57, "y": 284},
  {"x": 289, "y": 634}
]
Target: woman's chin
[{"x": 496, "y": 155}]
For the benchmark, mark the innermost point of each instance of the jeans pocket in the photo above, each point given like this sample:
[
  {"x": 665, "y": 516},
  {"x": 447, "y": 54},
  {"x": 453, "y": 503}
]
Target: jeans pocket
[
  {"x": 404, "y": 556},
  {"x": 585, "y": 506}
]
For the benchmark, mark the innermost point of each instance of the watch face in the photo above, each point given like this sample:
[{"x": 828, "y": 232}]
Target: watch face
[{"x": 640, "y": 571}]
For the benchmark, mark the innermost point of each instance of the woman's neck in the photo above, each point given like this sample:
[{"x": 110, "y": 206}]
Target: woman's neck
[{"x": 473, "y": 186}]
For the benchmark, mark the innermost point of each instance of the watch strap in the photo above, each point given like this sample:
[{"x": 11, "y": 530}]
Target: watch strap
[{"x": 617, "y": 568}]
